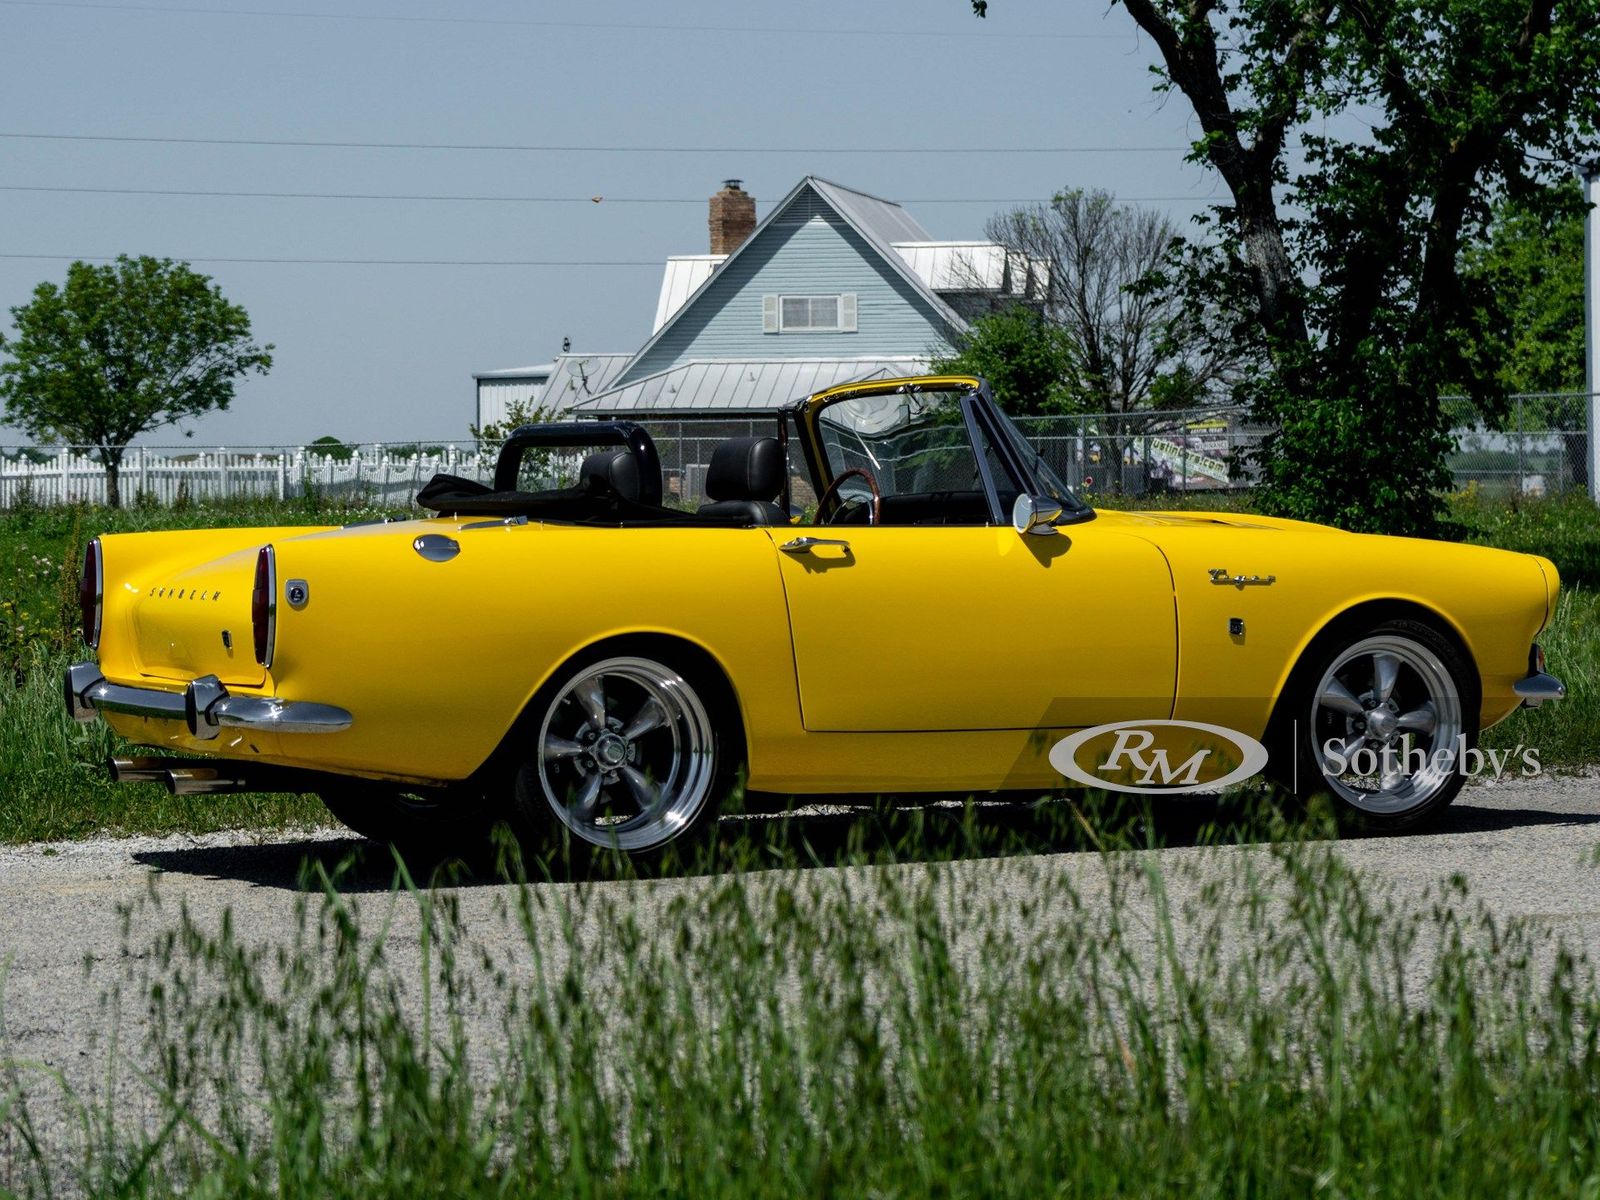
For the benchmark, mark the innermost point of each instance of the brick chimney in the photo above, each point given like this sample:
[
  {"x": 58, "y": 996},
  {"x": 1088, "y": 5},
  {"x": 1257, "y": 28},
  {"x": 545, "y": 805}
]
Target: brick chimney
[{"x": 733, "y": 217}]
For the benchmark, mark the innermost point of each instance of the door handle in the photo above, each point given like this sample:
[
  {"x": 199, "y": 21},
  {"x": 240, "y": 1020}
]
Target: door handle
[{"x": 804, "y": 545}]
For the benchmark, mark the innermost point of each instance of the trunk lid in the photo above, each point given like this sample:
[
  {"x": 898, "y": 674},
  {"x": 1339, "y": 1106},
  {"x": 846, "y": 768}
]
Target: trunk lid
[{"x": 195, "y": 621}]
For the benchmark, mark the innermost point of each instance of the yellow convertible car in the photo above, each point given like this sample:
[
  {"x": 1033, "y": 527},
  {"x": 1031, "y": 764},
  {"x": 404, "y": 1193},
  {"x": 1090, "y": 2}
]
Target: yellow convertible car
[{"x": 945, "y": 616}]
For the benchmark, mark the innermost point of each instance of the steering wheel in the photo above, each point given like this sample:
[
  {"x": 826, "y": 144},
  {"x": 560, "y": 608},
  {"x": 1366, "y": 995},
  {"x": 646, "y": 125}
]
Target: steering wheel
[{"x": 874, "y": 511}]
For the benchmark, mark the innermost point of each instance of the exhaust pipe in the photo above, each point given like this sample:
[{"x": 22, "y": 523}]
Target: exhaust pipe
[
  {"x": 203, "y": 777},
  {"x": 143, "y": 770},
  {"x": 204, "y": 781}
]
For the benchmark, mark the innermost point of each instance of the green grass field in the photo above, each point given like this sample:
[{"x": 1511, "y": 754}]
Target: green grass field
[{"x": 52, "y": 769}]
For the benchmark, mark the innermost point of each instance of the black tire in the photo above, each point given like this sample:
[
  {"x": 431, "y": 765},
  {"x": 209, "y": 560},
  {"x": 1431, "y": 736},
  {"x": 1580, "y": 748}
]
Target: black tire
[
  {"x": 623, "y": 750},
  {"x": 425, "y": 826},
  {"x": 1398, "y": 696}
]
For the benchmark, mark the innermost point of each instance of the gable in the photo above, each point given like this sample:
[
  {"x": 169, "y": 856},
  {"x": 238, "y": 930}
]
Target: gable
[{"x": 806, "y": 248}]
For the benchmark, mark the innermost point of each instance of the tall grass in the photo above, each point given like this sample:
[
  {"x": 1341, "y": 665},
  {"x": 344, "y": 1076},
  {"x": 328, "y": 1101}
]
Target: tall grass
[
  {"x": 55, "y": 784},
  {"x": 1567, "y": 733},
  {"x": 1245, "y": 1025}
]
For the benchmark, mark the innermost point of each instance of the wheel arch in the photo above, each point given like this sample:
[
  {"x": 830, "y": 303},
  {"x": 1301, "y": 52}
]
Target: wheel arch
[
  {"x": 1360, "y": 616},
  {"x": 688, "y": 655}
]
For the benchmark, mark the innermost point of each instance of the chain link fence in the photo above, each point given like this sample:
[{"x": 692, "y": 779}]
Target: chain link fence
[{"x": 1539, "y": 446}]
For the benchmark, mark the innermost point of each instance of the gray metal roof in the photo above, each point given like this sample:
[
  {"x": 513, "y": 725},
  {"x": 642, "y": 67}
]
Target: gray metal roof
[
  {"x": 682, "y": 278},
  {"x": 542, "y": 371},
  {"x": 577, "y": 377},
  {"x": 706, "y": 386},
  {"x": 884, "y": 221}
]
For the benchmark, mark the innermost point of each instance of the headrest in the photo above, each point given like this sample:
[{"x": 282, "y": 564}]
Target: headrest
[
  {"x": 746, "y": 469},
  {"x": 612, "y": 472}
]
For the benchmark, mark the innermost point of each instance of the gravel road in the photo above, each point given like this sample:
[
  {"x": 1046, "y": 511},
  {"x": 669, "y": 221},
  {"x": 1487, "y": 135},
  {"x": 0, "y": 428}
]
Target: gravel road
[{"x": 1526, "y": 848}]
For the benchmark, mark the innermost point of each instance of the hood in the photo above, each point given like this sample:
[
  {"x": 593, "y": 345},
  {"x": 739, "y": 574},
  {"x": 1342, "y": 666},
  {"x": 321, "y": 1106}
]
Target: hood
[{"x": 1197, "y": 520}]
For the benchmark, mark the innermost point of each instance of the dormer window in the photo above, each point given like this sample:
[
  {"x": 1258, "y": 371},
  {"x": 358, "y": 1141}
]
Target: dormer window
[{"x": 809, "y": 314}]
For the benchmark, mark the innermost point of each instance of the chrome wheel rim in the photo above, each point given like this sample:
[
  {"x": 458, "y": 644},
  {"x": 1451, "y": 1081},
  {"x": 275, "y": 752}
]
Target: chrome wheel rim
[
  {"x": 625, "y": 754},
  {"x": 1388, "y": 711}
]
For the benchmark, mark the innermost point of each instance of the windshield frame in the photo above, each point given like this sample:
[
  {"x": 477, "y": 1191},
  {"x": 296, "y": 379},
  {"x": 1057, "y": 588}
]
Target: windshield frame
[{"x": 984, "y": 423}]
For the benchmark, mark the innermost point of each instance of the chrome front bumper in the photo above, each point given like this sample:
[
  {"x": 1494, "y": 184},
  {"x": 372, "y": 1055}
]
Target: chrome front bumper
[
  {"x": 204, "y": 705},
  {"x": 1538, "y": 687}
]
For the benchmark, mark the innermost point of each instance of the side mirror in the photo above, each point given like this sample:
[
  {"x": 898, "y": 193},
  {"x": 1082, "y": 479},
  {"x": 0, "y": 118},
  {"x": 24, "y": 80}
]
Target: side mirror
[{"x": 1035, "y": 514}]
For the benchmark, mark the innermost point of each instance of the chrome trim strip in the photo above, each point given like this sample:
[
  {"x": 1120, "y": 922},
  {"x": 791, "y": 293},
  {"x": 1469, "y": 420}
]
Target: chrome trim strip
[
  {"x": 205, "y": 705},
  {"x": 1539, "y": 687}
]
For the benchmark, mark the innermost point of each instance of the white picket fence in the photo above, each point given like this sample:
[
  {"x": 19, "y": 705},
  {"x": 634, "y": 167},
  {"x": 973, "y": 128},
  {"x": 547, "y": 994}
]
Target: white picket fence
[
  {"x": 387, "y": 474},
  {"x": 1543, "y": 447}
]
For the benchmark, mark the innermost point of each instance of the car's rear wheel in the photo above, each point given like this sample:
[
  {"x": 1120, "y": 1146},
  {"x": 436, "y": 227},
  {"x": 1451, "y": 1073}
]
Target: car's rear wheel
[
  {"x": 623, "y": 752},
  {"x": 1382, "y": 719}
]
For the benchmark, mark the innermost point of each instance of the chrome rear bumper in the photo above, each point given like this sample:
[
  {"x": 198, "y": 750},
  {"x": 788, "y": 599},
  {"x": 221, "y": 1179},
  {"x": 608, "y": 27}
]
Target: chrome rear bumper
[{"x": 205, "y": 705}]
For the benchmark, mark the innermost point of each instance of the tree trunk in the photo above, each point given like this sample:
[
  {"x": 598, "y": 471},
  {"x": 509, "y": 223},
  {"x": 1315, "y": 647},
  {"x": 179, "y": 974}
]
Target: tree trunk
[{"x": 111, "y": 459}]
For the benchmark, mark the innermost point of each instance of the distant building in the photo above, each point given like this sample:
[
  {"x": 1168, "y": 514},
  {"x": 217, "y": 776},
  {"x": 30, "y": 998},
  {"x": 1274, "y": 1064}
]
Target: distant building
[
  {"x": 498, "y": 390},
  {"x": 834, "y": 285}
]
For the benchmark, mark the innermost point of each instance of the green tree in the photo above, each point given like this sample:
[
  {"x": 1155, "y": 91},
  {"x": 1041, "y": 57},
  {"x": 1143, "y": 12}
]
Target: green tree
[
  {"x": 1027, "y": 360},
  {"x": 1132, "y": 345},
  {"x": 518, "y": 413},
  {"x": 121, "y": 349},
  {"x": 1532, "y": 260},
  {"x": 332, "y": 447},
  {"x": 1363, "y": 146}
]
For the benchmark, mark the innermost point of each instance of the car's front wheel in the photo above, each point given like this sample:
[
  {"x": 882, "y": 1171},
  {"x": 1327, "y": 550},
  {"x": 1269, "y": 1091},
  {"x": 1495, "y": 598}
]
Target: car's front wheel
[
  {"x": 622, "y": 752},
  {"x": 1381, "y": 722}
]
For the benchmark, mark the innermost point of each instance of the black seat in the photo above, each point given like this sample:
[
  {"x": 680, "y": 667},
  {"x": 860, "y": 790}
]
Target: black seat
[
  {"x": 744, "y": 481},
  {"x": 611, "y": 472}
]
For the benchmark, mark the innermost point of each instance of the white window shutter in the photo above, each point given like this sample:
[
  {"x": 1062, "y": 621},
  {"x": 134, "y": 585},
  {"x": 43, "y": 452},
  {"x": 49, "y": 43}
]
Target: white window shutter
[
  {"x": 847, "y": 312},
  {"x": 769, "y": 314}
]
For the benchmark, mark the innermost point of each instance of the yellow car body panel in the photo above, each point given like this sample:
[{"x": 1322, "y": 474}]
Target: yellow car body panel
[
  {"x": 1495, "y": 601},
  {"x": 940, "y": 659}
]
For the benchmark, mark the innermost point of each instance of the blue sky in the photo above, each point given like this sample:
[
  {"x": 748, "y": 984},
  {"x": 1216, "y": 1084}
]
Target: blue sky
[{"x": 371, "y": 352}]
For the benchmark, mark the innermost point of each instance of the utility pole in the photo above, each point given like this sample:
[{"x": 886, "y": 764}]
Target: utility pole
[{"x": 1591, "y": 318}]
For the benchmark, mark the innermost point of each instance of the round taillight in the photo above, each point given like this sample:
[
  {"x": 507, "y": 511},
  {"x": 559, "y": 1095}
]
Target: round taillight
[
  {"x": 264, "y": 605},
  {"x": 91, "y": 593}
]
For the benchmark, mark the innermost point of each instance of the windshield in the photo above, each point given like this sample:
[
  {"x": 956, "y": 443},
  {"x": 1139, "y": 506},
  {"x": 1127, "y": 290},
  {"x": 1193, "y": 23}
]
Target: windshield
[
  {"x": 911, "y": 442},
  {"x": 915, "y": 449},
  {"x": 1044, "y": 475}
]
